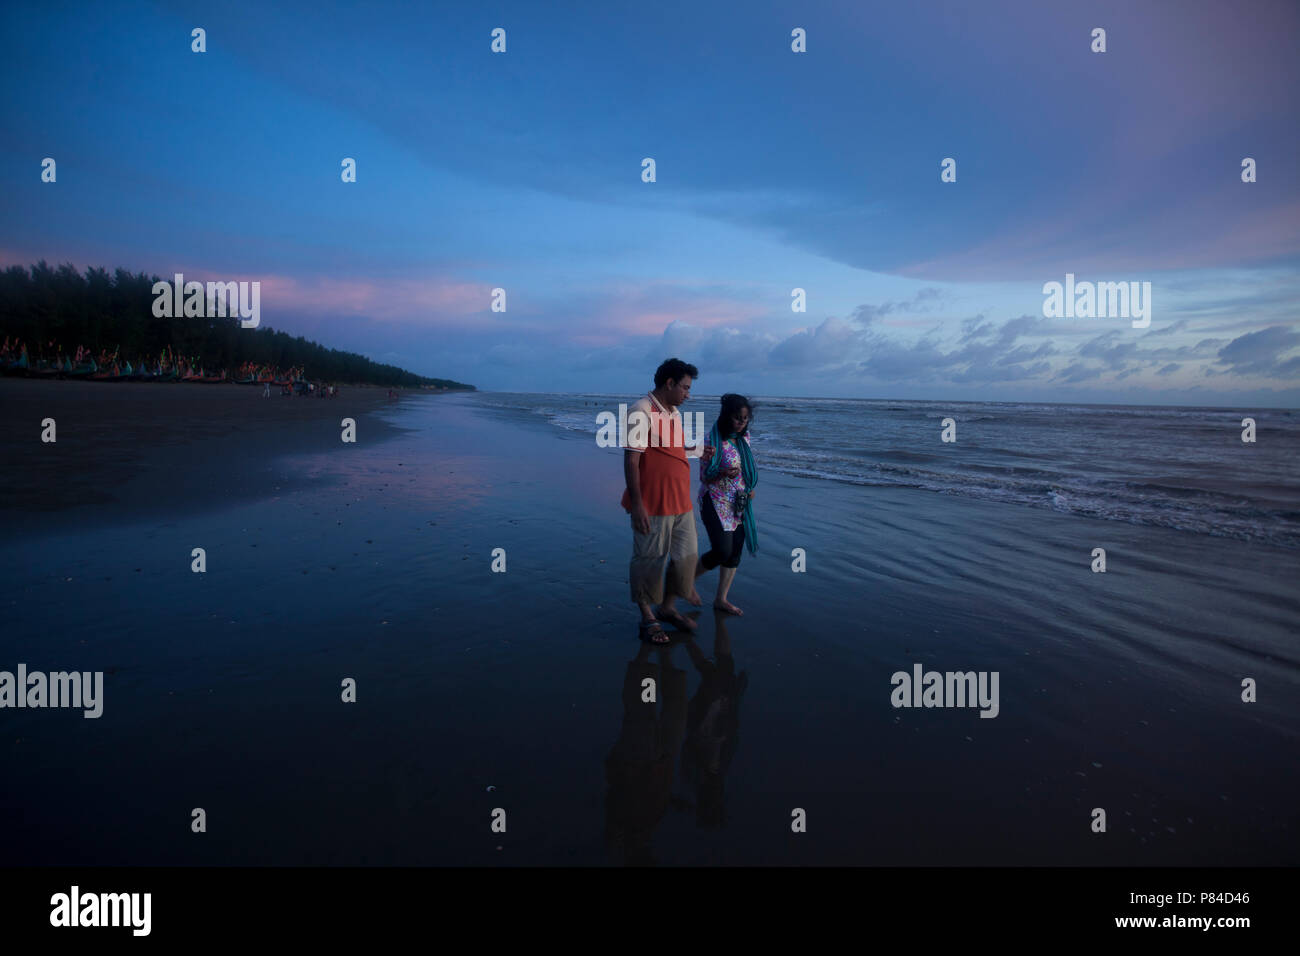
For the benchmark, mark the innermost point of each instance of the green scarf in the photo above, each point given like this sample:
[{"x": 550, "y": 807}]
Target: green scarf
[{"x": 747, "y": 469}]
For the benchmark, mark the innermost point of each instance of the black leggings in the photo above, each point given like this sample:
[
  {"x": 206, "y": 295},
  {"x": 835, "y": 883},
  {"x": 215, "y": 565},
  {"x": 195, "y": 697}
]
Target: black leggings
[{"x": 726, "y": 545}]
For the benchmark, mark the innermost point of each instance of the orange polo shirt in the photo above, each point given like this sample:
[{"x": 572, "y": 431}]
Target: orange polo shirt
[{"x": 665, "y": 473}]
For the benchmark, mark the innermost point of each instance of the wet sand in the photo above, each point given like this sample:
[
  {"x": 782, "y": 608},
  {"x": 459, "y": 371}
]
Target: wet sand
[
  {"x": 222, "y": 690},
  {"x": 124, "y": 448}
]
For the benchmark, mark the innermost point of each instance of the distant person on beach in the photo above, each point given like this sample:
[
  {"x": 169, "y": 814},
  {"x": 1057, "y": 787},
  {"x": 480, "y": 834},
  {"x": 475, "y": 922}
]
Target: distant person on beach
[
  {"x": 658, "y": 497},
  {"x": 727, "y": 483},
  {"x": 266, "y": 390}
]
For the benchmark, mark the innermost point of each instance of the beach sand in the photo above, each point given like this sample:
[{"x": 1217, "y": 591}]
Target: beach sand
[
  {"x": 523, "y": 690},
  {"x": 124, "y": 448}
]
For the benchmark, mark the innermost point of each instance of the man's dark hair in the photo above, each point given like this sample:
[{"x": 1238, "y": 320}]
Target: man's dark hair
[{"x": 675, "y": 369}]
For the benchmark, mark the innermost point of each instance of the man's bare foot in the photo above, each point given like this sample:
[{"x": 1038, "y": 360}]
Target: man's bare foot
[
  {"x": 694, "y": 598},
  {"x": 676, "y": 619},
  {"x": 728, "y": 607},
  {"x": 653, "y": 633}
]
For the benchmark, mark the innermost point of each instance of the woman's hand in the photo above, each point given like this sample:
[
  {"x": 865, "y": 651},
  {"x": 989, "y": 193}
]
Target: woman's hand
[
  {"x": 732, "y": 472},
  {"x": 708, "y": 452}
]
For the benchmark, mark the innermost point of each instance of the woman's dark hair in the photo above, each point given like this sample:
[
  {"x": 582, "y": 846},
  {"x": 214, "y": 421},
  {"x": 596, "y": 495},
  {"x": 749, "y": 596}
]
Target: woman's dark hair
[
  {"x": 675, "y": 369},
  {"x": 731, "y": 405}
]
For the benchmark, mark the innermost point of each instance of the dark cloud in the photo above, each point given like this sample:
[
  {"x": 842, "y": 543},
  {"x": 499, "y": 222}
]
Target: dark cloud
[
  {"x": 1026, "y": 353},
  {"x": 925, "y": 300},
  {"x": 1288, "y": 369},
  {"x": 830, "y": 344},
  {"x": 1260, "y": 353},
  {"x": 715, "y": 349},
  {"x": 1107, "y": 347},
  {"x": 1167, "y": 329},
  {"x": 977, "y": 327},
  {"x": 1001, "y": 372},
  {"x": 890, "y": 361},
  {"x": 985, "y": 351},
  {"x": 1078, "y": 372}
]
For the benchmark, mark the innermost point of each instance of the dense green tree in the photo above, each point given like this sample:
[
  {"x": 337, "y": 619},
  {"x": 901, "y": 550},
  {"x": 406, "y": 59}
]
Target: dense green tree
[{"x": 53, "y": 310}]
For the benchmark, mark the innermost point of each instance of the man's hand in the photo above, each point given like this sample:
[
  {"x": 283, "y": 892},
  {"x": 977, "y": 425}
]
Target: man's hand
[
  {"x": 640, "y": 520},
  {"x": 707, "y": 453}
]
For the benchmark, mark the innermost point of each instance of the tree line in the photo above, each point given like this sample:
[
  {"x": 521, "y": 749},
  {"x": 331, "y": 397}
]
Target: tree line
[{"x": 53, "y": 310}]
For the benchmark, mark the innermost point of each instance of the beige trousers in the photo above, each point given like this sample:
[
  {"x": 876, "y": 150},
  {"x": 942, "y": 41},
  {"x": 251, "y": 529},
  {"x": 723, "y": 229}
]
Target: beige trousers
[{"x": 671, "y": 537}]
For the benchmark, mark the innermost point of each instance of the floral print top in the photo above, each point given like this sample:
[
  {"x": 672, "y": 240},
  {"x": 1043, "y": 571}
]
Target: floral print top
[{"x": 723, "y": 491}]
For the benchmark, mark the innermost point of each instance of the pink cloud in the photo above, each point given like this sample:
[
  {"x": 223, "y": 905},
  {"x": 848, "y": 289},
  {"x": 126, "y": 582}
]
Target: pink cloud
[
  {"x": 646, "y": 309},
  {"x": 434, "y": 301}
]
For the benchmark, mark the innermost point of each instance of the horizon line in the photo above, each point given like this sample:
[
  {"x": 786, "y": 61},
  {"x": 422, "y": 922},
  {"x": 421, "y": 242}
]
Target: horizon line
[{"x": 959, "y": 401}]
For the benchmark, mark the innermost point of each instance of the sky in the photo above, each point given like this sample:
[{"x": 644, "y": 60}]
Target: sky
[{"x": 775, "y": 170}]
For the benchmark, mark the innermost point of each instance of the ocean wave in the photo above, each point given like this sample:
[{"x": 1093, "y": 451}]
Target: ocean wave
[
  {"x": 1205, "y": 512},
  {"x": 1159, "y": 467}
]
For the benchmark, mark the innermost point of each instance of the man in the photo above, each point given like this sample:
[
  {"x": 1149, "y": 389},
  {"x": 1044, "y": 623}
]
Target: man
[{"x": 658, "y": 497}]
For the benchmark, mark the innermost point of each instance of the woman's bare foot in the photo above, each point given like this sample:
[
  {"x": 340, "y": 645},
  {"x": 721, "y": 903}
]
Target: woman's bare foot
[
  {"x": 728, "y": 607},
  {"x": 694, "y": 598}
]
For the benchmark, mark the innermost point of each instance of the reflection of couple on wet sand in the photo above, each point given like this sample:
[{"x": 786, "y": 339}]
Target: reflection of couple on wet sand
[
  {"x": 705, "y": 731},
  {"x": 658, "y": 497}
]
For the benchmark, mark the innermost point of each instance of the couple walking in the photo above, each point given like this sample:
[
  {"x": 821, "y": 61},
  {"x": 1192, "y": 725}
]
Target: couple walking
[{"x": 658, "y": 497}]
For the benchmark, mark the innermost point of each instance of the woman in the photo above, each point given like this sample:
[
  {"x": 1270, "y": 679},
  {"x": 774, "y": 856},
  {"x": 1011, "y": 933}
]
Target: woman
[{"x": 727, "y": 481}]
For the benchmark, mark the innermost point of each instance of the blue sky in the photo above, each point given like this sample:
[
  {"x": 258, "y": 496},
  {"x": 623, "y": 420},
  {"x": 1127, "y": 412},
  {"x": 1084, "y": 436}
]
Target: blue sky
[{"x": 775, "y": 170}]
